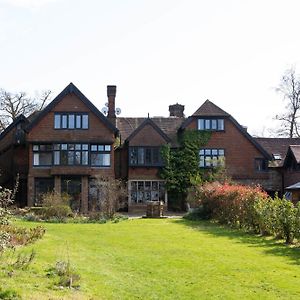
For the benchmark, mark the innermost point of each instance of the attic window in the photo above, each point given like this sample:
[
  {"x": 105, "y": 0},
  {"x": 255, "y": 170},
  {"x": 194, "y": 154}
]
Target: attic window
[
  {"x": 211, "y": 124},
  {"x": 71, "y": 121},
  {"x": 277, "y": 156}
]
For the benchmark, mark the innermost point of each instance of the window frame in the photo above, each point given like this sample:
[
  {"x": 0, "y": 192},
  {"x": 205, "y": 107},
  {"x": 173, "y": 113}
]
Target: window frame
[
  {"x": 154, "y": 153},
  {"x": 211, "y": 156},
  {"x": 63, "y": 117},
  {"x": 207, "y": 124},
  {"x": 39, "y": 151},
  {"x": 101, "y": 149},
  {"x": 264, "y": 165}
]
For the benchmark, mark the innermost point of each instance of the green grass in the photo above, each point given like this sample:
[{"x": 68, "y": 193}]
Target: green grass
[{"x": 160, "y": 259}]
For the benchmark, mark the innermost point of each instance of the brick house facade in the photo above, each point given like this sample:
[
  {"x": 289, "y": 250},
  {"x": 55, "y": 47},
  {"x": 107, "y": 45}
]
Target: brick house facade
[{"x": 68, "y": 144}]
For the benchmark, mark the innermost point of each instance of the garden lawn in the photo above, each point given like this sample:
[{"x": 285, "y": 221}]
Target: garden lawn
[{"x": 159, "y": 259}]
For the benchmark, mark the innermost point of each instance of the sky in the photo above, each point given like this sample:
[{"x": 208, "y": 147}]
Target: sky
[{"x": 157, "y": 52}]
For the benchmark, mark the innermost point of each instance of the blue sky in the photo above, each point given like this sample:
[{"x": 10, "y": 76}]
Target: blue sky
[{"x": 232, "y": 52}]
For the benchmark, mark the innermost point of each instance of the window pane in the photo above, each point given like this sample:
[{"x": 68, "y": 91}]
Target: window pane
[
  {"x": 141, "y": 157},
  {"x": 64, "y": 121},
  {"x": 207, "y": 151},
  {"x": 85, "y": 156},
  {"x": 85, "y": 147},
  {"x": 214, "y": 151},
  {"x": 100, "y": 147},
  {"x": 207, "y": 124},
  {"x": 220, "y": 124},
  {"x": 70, "y": 157},
  {"x": 56, "y": 146},
  {"x": 156, "y": 156},
  {"x": 78, "y": 147},
  {"x": 78, "y": 121},
  {"x": 64, "y": 146},
  {"x": 148, "y": 156},
  {"x": 71, "y": 146},
  {"x": 56, "y": 157},
  {"x": 106, "y": 160},
  {"x": 36, "y": 160},
  {"x": 56, "y": 121},
  {"x": 95, "y": 159},
  {"x": 221, "y": 152},
  {"x": 201, "y": 161},
  {"x": 201, "y": 152},
  {"x": 133, "y": 156},
  {"x": 214, "y": 124},
  {"x": 45, "y": 158},
  {"x": 35, "y": 147},
  {"x": 63, "y": 157},
  {"x": 107, "y": 148},
  {"x": 71, "y": 121},
  {"x": 94, "y": 147},
  {"x": 77, "y": 158},
  {"x": 201, "y": 124},
  {"x": 85, "y": 121}
]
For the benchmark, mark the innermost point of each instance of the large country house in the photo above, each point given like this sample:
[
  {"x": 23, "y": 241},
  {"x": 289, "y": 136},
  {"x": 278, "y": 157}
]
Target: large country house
[{"x": 66, "y": 145}]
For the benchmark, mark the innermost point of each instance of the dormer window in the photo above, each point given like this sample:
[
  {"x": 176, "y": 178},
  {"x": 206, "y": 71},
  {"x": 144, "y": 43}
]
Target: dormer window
[
  {"x": 277, "y": 156},
  {"x": 211, "y": 124},
  {"x": 71, "y": 121}
]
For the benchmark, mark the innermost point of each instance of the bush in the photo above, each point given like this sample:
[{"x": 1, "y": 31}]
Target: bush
[
  {"x": 61, "y": 212},
  {"x": 229, "y": 204},
  {"x": 9, "y": 294}
]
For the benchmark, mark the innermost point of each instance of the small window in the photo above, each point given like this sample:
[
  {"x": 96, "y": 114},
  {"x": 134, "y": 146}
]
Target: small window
[
  {"x": 277, "y": 156},
  {"x": 85, "y": 122},
  {"x": 261, "y": 164},
  {"x": 71, "y": 121},
  {"x": 210, "y": 158},
  {"x": 56, "y": 121}
]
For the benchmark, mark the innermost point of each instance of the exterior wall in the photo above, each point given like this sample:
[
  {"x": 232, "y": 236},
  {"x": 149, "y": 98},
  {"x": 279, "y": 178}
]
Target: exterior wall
[
  {"x": 147, "y": 136},
  {"x": 240, "y": 156},
  {"x": 291, "y": 177},
  {"x": 44, "y": 132}
]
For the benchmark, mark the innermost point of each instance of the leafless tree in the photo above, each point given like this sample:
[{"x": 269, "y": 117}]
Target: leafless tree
[
  {"x": 289, "y": 87},
  {"x": 14, "y": 104}
]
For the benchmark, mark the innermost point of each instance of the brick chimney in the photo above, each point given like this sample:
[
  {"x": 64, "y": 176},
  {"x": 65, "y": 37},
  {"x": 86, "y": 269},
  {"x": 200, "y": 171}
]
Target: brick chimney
[
  {"x": 176, "y": 110},
  {"x": 111, "y": 94}
]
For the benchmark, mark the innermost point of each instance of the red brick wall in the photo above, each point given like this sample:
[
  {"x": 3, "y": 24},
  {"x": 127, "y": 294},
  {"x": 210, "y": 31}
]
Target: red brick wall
[
  {"x": 44, "y": 130},
  {"x": 239, "y": 151},
  {"x": 147, "y": 136}
]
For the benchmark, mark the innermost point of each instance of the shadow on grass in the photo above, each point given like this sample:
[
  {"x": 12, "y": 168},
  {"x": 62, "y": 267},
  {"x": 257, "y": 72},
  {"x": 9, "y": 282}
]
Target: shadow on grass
[{"x": 269, "y": 245}]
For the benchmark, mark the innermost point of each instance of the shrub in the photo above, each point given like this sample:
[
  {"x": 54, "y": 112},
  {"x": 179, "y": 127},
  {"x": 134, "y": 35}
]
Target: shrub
[
  {"x": 9, "y": 294},
  {"x": 110, "y": 193},
  {"x": 66, "y": 273},
  {"x": 229, "y": 204},
  {"x": 61, "y": 212}
]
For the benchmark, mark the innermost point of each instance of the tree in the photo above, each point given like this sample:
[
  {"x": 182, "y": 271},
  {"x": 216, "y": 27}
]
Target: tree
[
  {"x": 289, "y": 87},
  {"x": 14, "y": 104}
]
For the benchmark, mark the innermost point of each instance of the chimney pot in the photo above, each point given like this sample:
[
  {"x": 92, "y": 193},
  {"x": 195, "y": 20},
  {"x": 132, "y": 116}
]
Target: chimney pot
[{"x": 176, "y": 110}]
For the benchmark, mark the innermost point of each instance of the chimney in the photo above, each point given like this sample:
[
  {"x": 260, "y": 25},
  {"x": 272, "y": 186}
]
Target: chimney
[
  {"x": 176, "y": 110},
  {"x": 111, "y": 94}
]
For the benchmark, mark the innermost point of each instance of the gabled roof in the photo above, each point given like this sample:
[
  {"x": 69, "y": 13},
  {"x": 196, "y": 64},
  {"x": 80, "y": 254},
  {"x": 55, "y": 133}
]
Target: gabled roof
[
  {"x": 72, "y": 89},
  {"x": 20, "y": 118},
  {"x": 294, "y": 152},
  {"x": 209, "y": 109},
  {"x": 148, "y": 121},
  {"x": 169, "y": 126},
  {"x": 277, "y": 146}
]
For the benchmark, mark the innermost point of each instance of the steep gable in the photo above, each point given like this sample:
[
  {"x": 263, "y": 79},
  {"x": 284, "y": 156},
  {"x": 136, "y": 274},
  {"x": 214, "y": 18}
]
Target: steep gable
[
  {"x": 209, "y": 109},
  {"x": 72, "y": 89},
  {"x": 149, "y": 132}
]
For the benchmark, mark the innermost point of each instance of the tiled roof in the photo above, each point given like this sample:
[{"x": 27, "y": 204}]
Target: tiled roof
[
  {"x": 296, "y": 152},
  {"x": 209, "y": 109},
  {"x": 168, "y": 125},
  {"x": 277, "y": 146}
]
